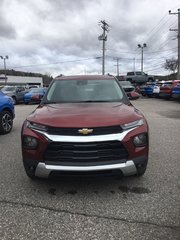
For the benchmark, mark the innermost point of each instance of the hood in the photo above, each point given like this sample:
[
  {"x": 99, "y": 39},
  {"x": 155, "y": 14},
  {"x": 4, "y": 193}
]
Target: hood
[
  {"x": 8, "y": 92},
  {"x": 84, "y": 114}
]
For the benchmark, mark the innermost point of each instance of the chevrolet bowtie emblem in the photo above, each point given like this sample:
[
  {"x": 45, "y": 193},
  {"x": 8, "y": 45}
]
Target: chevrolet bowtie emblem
[{"x": 85, "y": 131}]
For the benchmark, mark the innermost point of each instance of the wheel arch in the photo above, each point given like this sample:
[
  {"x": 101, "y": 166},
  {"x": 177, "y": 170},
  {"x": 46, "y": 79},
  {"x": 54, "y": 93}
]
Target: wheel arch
[{"x": 7, "y": 109}]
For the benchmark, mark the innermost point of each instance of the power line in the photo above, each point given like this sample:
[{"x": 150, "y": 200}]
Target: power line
[{"x": 47, "y": 64}]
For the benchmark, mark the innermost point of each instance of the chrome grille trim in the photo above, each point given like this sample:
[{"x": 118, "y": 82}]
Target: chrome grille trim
[{"x": 95, "y": 138}]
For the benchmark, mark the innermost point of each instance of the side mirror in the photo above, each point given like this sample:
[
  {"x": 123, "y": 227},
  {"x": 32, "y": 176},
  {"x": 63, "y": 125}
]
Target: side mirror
[{"x": 133, "y": 95}]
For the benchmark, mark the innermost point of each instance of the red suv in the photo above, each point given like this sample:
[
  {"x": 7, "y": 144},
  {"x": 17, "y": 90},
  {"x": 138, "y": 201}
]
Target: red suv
[
  {"x": 166, "y": 89},
  {"x": 85, "y": 125}
]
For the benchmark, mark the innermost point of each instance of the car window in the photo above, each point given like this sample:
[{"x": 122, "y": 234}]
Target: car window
[
  {"x": 139, "y": 73},
  {"x": 168, "y": 84},
  {"x": 8, "y": 88},
  {"x": 85, "y": 91},
  {"x": 130, "y": 73},
  {"x": 36, "y": 90},
  {"x": 125, "y": 83}
]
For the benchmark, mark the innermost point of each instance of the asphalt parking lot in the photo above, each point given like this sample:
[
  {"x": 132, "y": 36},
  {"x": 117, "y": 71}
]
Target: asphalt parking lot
[{"x": 96, "y": 208}]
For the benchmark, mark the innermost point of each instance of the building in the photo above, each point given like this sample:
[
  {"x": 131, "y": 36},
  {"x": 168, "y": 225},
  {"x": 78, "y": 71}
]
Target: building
[{"x": 21, "y": 80}]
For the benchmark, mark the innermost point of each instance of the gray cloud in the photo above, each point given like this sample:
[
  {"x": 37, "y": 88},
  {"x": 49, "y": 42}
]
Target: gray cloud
[
  {"x": 6, "y": 29},
  {"x": 60, "y": 30}
]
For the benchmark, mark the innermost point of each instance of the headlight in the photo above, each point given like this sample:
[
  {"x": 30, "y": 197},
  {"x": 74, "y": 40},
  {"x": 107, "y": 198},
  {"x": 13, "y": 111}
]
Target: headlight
[
  {"x": 36, "y": 126},
  {"x": 140, "y": 140},
  {"x": 133, "y": 124},
  {"x": 30, "y": 142}
]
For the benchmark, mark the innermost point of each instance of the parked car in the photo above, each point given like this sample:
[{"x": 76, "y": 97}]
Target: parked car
[
  {"x": 85, "y": 125},
  {"x": 127, "y": 86},
  {"x": 34, "y": 95},
  {"x": 156, "y": 89},
  {"x": 15, "y": 92},
  {"x": 129, "y": 89},
  {"x": 176, "y": 92},
  {"x": 136, "y": 77},
  {"x": 151, "y": 89},
  {"x": 6, "y": 113},
  {"x": 147, "y": 89},
  {"x": 166, "y": 89}
]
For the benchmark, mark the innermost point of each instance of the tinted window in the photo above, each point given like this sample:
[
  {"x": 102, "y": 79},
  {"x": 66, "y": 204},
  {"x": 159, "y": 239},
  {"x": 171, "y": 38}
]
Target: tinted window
[
  {"x": 130, "y": 73},
  {"x": 139, "y": 73},
  {"x": 84, "y": 91}
]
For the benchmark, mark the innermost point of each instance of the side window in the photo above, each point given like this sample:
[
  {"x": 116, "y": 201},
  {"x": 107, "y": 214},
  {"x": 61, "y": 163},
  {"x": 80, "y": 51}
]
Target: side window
[
  {"x": 138, "y": 73},
  {"x": 130, "y": 73},
  {"x": 19, "y": 89}
]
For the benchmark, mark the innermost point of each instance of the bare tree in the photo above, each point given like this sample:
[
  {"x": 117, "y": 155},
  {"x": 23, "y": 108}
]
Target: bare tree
[{"x": 171, "y": 64}]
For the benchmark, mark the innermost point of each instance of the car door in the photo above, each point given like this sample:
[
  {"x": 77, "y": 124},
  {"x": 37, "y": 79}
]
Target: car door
[{"x": 20, "y": 91}]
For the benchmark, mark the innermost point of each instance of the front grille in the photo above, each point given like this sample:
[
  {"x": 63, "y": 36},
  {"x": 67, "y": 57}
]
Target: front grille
[
  {"x": 85, "y": 153},
  {"x": 75, "y": 132}
]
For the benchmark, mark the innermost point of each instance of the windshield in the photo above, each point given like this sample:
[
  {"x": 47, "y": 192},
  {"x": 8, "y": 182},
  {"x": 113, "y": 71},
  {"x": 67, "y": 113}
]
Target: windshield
[
  {"x": 167, "y": 84},
  {"x": 8, "y": 88},
  {"x": 68, "y": 91},
  {"x": 36, "y": 90},
  {"x": 125, "y": 83}
]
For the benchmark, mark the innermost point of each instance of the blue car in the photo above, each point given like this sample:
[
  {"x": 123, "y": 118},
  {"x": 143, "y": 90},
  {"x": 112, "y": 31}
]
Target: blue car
[
  {"x": 176, "y": 92},
  {"x": 34, "y": 95},
  {"x": 148, "y": 89},
  {"x": 6, "y": 113}
]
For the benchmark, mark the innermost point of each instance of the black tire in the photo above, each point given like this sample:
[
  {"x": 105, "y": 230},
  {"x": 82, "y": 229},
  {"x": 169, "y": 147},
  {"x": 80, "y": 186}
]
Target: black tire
[
  {"x": 6, "y": 122},
  {"x": 30, "y": 171},
  {"x": 141, "y": 170},
  {"x": 14, "y": 100}
]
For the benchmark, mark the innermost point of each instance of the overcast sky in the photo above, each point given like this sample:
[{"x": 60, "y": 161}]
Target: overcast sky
[{"x": 61, "y": 36}]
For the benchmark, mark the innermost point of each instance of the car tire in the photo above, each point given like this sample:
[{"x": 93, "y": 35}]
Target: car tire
[
  {"x": 141, "y": 170},
  {"x": 6, "y": 122},
  {"x": 30, "y": 171},
  {"x": 14, "y": 100}
]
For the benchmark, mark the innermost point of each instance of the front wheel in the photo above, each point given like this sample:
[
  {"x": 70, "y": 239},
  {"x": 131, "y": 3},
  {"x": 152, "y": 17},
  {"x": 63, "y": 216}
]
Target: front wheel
[
  {"x": 6, "y": 122},
  {"x": 29, "y": 169},
  {"x": 141, "y": 169}
]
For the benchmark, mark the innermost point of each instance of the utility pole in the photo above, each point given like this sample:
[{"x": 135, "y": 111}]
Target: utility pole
[
  {"x": 178, "y": 36},
  {"x": 117, "y": 65},
  {"x": 103, "y": 37},
  {"x": 4, "y": 58},
  {"x": 134, "y": 64},
  {"x": 142, "y": 50}
]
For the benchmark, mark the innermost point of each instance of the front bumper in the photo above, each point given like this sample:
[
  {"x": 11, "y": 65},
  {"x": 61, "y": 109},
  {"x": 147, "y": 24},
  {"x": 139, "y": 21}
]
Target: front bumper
[
  {"x": 176, "y": 95},
  {"x": 165, "y": 95},
  {"x": 127, "y": 168},
  {"x": 43, "y": 165}
]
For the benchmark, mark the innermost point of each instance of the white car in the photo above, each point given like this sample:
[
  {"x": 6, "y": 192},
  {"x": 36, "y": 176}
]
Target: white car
[{"x": 156, "y": 88}]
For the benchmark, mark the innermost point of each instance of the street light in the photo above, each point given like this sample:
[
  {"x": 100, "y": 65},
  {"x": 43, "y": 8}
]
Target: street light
[
  {"x": 4, "y": 58},
  {"x": 142, "y": 47}
]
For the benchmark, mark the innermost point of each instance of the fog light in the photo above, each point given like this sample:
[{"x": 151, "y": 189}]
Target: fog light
[
  {"x": 30, "y": 142},
  {"x": 140, "y": 140}
]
